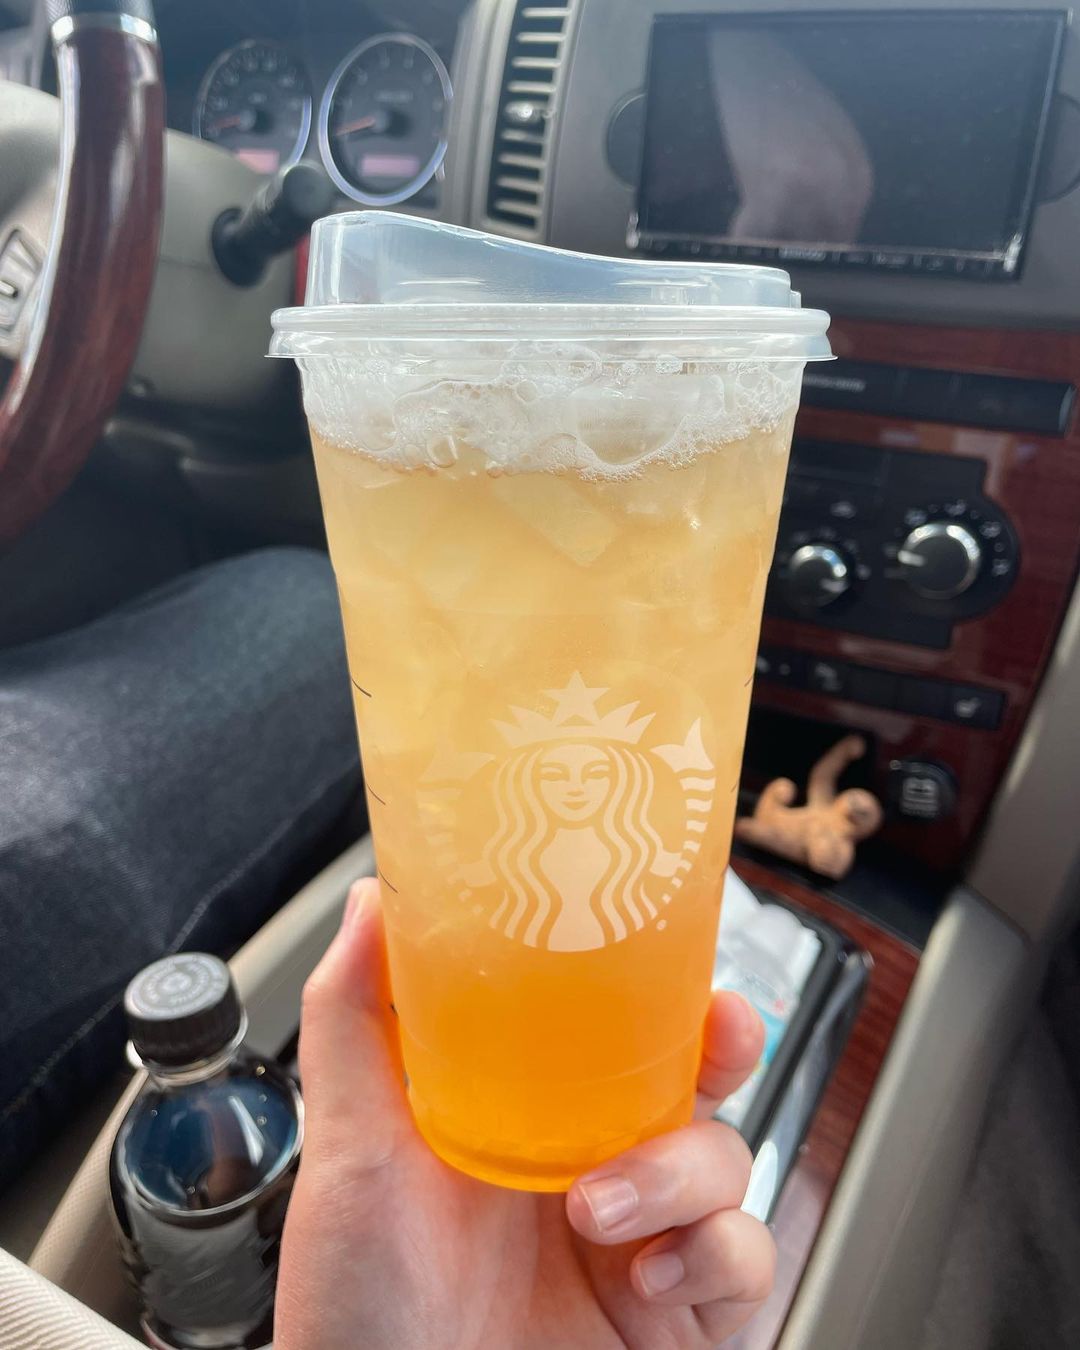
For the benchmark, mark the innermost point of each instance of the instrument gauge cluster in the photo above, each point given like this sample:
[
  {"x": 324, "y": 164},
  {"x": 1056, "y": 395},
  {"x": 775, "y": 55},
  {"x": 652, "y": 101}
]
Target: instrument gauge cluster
[
  {"x": 380, "y": 126},
  {"x": 383, "y": 118},
  {"x": 255, "y": 101}
]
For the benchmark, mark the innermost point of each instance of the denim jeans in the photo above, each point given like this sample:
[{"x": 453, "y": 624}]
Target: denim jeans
[{"x": 161, "y": 770}]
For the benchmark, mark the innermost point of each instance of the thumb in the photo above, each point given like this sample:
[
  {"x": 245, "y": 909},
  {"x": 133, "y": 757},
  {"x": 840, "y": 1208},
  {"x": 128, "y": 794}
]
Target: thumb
[{"x": 350, "y": 1055}]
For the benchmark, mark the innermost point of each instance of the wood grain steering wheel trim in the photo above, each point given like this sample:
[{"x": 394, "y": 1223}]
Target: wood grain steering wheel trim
[{"x": 100, "y": 267}]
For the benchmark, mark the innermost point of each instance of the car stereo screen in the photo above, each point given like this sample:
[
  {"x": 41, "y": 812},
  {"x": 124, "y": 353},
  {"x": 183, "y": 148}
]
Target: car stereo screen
[{"x": 915, "y": 132}]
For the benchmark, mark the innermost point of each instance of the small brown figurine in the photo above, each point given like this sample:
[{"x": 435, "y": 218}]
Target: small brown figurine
[{"x": 823, "y": 833}]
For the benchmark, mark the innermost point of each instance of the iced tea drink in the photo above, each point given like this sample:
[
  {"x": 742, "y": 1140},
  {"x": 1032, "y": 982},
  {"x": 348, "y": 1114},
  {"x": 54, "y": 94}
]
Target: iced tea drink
[{"x": 551, "y": 559}]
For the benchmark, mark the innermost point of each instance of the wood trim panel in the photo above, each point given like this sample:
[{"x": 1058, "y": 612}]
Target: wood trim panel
[{"x": 1036, "y": 479}]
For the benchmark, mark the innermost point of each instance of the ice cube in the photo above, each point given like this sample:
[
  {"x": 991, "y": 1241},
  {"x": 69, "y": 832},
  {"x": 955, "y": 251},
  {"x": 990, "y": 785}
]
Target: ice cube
[{"x": 558, "y": 508}]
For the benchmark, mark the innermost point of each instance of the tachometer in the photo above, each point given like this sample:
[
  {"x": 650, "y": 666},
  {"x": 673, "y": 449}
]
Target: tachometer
[
  {"x": 382, "y": 125},
  {"x": 255, "y": 100}
]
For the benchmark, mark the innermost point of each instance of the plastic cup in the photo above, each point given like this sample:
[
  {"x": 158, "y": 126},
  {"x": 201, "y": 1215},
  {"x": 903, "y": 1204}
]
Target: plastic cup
[{"x": 551, "y": 484}]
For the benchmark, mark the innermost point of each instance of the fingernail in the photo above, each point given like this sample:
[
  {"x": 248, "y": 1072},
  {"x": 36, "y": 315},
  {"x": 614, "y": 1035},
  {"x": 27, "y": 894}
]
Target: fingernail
[
  {"x": 660, "y": 1272},
  {"x": 747, "y": 1015},
  {"x": 610, "y": 1200},
  {"x": 748, "y": 1031},
  {"x": 354, "y": 904}
]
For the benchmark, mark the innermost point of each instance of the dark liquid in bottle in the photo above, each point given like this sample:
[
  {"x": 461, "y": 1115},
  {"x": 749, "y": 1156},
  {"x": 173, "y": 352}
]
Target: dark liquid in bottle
[{"x": 200, "y": 1179}]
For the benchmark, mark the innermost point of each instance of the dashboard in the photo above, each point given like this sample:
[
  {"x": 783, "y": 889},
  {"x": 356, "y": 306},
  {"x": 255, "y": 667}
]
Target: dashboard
[{"x": 551, "y": 122}]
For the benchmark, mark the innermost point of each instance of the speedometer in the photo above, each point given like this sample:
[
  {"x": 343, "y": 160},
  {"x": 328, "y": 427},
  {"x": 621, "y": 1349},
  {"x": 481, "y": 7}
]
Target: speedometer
[
  {"x": 255, "y": 100},
  {"x": 382, "y": 125}
]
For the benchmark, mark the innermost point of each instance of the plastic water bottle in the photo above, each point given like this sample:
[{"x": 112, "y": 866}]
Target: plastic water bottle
[{"x": 203, "y": 1163}]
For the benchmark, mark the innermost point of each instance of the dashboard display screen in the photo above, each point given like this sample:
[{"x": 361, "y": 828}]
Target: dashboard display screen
[{"x": 904, "y": 139}]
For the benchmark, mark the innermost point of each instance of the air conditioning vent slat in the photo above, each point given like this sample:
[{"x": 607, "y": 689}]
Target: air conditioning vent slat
[
  {"x": 532, "y": 87},
  {"x": 536, "y": 63},
  {"x": 519, "y": 164},
  {"x": 508, "y": 184},
  {"x": 517, "y": 137},
  {"x": 515, "y": 211},
  {"x": 521, "y": 161}
]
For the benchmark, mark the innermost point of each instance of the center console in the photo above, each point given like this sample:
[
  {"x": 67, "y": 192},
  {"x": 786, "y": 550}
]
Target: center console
[{"x": 926, "y": 553}]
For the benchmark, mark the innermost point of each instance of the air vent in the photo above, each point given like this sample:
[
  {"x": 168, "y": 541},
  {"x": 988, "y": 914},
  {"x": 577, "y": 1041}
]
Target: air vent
[{"x": 519, "y": 159}]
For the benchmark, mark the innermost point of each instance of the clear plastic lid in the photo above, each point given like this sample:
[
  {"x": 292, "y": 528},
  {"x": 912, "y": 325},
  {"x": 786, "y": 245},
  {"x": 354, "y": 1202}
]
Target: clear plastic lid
[{"x": 384, "y": 276}]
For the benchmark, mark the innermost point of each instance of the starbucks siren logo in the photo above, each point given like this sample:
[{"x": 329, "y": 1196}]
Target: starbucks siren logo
[{"x": 575, "y": 859}]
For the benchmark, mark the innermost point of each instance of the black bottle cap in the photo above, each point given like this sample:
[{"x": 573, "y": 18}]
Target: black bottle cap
[{"x": 182, "y": 1009}]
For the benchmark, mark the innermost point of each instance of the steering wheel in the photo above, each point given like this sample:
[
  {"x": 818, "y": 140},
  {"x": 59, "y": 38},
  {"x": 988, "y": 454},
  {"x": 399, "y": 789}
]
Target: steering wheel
[{"x": 74, "y": 293}]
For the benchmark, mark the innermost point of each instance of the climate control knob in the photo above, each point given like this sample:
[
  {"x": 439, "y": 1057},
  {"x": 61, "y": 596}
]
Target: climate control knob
[
  {"x": 816, "y": 575},
  {"x": 940, "y": 559}
]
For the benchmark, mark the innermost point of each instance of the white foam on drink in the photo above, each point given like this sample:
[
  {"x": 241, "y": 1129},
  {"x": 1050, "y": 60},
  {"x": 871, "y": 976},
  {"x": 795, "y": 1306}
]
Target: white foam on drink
[{"x": 539, "y": 409}]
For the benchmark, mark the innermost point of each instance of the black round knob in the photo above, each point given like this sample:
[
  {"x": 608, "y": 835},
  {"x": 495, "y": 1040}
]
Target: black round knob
[
  {"x": 817, "y": 574},
  {"x": 940, "y": 560}
]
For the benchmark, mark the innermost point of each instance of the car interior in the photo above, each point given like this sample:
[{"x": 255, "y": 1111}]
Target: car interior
[{"x": 916, "y": 169}]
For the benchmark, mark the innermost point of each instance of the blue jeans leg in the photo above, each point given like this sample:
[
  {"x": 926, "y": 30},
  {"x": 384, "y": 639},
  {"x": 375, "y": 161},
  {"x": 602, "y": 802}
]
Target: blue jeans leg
[{"x": 160, "y": 770}]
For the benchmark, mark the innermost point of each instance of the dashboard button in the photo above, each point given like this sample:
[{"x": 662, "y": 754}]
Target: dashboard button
[
  {"x": 973, "y": 706},
  {"x": 875, "y": 687},
  {"x": 924, "y": 698},
  {"x": 854, "y": 503},
  {"x": 896, "y": 261},
  {"x": 1014, "y": 404},
  {"x": 773, "y": 663},
  {"x": 789, "y": 668},
  {"x": 928, "y": 395},
  {"x": 827, "y": 677},
  {"x": 853, "y": 386}
]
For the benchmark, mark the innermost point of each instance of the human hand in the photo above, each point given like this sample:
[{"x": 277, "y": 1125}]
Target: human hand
[{"x": 388, "y": 1248}]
